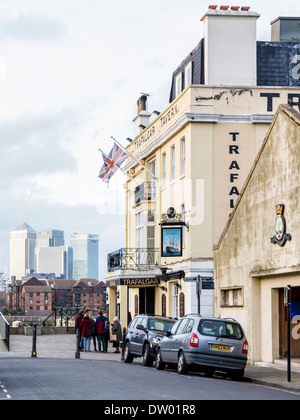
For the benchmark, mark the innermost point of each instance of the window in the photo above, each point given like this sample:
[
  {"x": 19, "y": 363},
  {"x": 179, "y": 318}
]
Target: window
[
  {"x": 182, "y": 326},
  {"x": 188, "y": 73},
  {"x": 220, "y": 328},
  {"x": 178, "y": 86},
  {"x": 182, "y": 157},
  {"x": 189, "y": 327},
  {"x": 139, "y": 229},
  {"x": 175, "y": 326},
  {"x": 172, "y": 163},
  {"x": 164, "y": 170},
  {"x": 152, "y": 182},
  {"x": 232, "y": 297},
  {"x": 183, "y": 220},
  {"x": 143, "y": 322},
  {"x": 175, "y": 300}
]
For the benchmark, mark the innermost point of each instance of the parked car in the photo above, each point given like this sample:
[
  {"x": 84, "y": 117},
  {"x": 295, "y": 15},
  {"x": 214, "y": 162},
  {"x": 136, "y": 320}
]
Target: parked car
[
  {"x": 207, "y": 343},
  {"x": 143, "y": 336}
]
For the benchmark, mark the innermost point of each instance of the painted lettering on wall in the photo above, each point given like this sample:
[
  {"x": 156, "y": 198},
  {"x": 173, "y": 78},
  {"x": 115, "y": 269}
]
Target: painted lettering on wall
[
  {"x": 293, "y": 99},
  {"x": 234, "y": 167}
]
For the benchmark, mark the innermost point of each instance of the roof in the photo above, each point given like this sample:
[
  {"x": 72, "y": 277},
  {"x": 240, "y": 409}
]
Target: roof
[
  {"x": 86, "y": 282},
  {"x": 25, "y": 226},
  {"x": 36, "y": 289},
  {"x": 64, "y": 284}
]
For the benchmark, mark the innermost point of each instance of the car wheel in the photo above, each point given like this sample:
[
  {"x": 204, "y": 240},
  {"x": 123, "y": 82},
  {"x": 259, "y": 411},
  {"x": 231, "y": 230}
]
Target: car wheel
[
  {"x": 128, "y": 357},
  {"x": 182, "y": 367},
  {"x": 147, "y": 359},
  {"x": 159, "y": 364}
]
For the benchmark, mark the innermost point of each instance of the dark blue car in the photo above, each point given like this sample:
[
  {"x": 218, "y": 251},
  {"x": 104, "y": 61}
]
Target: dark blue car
[{"x": 143, "y": 336}]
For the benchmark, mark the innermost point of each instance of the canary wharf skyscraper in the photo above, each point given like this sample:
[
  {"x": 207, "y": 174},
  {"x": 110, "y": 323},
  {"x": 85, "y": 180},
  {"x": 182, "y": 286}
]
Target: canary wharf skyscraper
[
  {"x": 22, "y": 245},
  {"x": 85, "y": 256}
]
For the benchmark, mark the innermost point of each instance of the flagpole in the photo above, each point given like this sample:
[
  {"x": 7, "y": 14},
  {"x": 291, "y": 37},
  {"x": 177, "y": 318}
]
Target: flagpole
[
  {"x": 125, "y": 173},
  {"x": 135, "y": 159}
]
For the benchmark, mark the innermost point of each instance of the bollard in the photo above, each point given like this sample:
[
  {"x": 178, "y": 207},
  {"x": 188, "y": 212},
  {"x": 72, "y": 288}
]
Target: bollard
[
  {"x": 123, "y": 343},
  {"x": 34, "y": 353},
  {"x": 77, "y": 354}
]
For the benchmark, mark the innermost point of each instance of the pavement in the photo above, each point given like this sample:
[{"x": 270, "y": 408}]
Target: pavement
[{"x": 63, "y": 346}]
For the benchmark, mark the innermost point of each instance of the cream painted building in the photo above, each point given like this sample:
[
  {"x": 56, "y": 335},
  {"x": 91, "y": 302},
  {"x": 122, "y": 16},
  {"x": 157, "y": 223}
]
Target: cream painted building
[
  {"x": 200, "y": 150},
  {"x": 258, "y": 253}
]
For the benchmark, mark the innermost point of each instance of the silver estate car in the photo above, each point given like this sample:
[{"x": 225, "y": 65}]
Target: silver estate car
[{"x": 207, "y": 343}]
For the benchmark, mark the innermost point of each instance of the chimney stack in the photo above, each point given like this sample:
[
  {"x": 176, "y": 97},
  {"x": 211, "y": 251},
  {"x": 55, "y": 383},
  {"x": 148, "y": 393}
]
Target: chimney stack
[
  {"x": 141, "y": 121},
  {"x": 230, "y": 46}
]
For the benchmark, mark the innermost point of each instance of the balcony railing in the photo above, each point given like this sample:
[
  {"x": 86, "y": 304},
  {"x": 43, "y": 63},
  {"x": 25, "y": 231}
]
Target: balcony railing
[
  {"x": 132, "y": 259},
  {"x": 145, "y": 192}
]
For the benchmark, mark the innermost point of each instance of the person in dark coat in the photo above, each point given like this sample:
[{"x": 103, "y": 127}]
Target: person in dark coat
[
  {"x": 100, "y": 331},
  {"x": 107, "y": 334},
  {"x": 85, "y": 326},
  {"x": 117, "y": 330},
  {"x": 78, "y": 319}
]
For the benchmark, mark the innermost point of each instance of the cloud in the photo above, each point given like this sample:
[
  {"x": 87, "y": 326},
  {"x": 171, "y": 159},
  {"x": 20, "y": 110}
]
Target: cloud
[
  {"x": 32, "y": 28},
  {"x": 32, "y": 144}
]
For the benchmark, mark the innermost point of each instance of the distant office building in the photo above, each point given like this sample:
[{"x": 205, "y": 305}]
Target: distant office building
[
  {"x": 22, "y": 245},
  {"x": 85, "y": 256},
  {"x": 51, "y": 256},
  {"x": 55, "y": 259},
  {"x": 50, "y": 238}
]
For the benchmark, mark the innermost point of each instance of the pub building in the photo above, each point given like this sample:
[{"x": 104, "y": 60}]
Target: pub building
[{"x": 198, "y": 153}]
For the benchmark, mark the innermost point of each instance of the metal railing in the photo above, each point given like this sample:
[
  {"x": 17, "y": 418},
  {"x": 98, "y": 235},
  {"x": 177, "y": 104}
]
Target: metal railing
[
  {"x": 145, "y": 192},
  {"x": 132, "y": 259},
  {"x": 60, "y": 315},
  {"x": 4, "y": 330}
]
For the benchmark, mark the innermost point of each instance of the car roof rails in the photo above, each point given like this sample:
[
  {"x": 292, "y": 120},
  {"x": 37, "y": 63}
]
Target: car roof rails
[
  {"x": 158, "y": 316},
  {"x": 232, "y": 319},
  {"x": 194, "y": 314}
]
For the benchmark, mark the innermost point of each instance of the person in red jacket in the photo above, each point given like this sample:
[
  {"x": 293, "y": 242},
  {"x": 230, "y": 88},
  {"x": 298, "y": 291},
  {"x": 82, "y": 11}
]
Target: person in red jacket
[{"x": 85, "y": 326}]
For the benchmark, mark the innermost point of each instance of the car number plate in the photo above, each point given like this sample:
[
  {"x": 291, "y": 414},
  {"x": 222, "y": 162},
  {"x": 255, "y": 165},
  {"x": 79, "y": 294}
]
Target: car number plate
[{"x": 220, "y": 347}]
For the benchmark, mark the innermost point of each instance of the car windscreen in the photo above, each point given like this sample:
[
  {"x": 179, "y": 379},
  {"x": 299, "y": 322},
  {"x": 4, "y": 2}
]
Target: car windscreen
[
  {"x": 160, "y": 325},
  {"x": 220, "y": 328}
]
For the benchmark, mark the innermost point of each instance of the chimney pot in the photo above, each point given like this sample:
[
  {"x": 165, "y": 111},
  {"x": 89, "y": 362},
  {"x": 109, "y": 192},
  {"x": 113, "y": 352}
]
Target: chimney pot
[
  {"x": 212, "y": 7},
  {"x": 142, "y": 103},
  {"x": 236, "y": 8},
  {"x": 245, "y": 8},
  {"x": 224, "y": 7}
]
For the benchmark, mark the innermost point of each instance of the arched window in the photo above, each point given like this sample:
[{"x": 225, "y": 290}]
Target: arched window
[
  {"x": 164, "y": 305},
  {"x": 181, "y": 305},
  {"x": 136, "y": 304}
]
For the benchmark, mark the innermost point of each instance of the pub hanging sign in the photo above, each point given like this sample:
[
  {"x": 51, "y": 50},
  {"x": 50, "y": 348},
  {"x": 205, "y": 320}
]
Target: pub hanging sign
[{"x": 171, "y": 233}]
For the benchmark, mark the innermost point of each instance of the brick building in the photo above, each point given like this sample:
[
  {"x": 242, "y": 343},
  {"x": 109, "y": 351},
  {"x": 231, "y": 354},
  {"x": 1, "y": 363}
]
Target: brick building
[{"x": 35, "y": 296}]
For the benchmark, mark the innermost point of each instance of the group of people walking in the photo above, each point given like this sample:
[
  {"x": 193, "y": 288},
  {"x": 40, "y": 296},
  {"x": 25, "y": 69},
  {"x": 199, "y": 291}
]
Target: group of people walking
[{"x": 97, "y": 330}]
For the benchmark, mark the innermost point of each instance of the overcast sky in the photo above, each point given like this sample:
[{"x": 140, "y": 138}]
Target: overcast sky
[{"x": 71, "y": 72}]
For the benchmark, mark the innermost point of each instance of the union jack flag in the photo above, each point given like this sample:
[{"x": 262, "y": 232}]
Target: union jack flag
[{"x": 112, "y": 163}]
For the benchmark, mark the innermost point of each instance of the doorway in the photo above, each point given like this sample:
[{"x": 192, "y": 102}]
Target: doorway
[
  {"x": 295, "y": 310},
  {"x": 147, "y": 300}
]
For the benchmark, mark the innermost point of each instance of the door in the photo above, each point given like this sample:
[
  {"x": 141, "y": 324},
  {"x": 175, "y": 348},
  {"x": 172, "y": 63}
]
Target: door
[
  {"x": 147, "y": 300},
  {"x": 140, "y": 336},
  {"x": 167, "y": 344},
  {"x": 179, "y": 340},
  {"x": 295, "y": 311}
]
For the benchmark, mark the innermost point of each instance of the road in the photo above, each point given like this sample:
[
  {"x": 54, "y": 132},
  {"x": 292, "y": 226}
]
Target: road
[{"x": 112, "y": 381}]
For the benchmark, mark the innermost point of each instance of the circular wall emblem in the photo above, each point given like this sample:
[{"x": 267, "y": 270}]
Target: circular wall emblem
[
  {"x": 171, "y": 212},
  {"x": 279, "y": 227}
]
